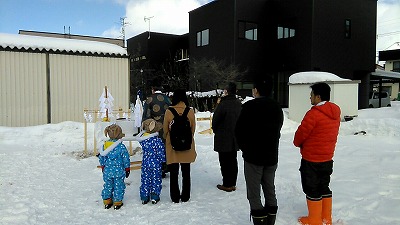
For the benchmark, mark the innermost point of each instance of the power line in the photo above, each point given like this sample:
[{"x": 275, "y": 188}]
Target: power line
[{"x": 387, "y": 34}]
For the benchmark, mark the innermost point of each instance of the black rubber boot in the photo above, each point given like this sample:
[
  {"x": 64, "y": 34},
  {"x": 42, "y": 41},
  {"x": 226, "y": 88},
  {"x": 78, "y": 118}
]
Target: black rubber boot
[
  {"x": 259, "y": 217},
  {"x": 271, "y": 210}
]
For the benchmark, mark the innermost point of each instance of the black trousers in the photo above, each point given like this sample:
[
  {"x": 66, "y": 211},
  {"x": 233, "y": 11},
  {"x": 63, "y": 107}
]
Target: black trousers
[
  {"x": 229, "y": 168},
  {"x": 258, "y": 177},
  {"x": 174, "y": 190},
  {"x": 315, "y": 179}
]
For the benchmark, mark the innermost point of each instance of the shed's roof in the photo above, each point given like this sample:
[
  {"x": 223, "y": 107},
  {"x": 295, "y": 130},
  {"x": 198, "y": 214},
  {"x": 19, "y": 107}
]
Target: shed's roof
[
  {"x": 51, "y": 44},
  {"x": 386, "y": 74},
  {"x": 310, "y": 77}
]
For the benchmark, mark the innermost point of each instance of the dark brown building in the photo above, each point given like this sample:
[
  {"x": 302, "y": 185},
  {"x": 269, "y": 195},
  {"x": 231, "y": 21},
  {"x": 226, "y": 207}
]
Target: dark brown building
[
  {"x": 157, "y": 56},
  {"x": 282, "y": 37}
]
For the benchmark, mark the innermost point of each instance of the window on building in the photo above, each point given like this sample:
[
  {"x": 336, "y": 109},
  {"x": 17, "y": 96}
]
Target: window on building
[
  {"x": 347, "y": 28},
  {"x": 182, "y": 54},
  {"x": 203, "y": 38},
  {"x": 285, "y": 32},
  {"x": 280, "y": 32},
  {"x": 291, "y": 32},
  {"x": 396, "y": 66},
  {"x": 248, "y": 30}
]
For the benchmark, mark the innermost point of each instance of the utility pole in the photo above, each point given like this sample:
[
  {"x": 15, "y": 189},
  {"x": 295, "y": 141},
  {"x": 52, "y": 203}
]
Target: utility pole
[
  {"x": 123, "y": 25},
  {"x": 148, "y": 19}
]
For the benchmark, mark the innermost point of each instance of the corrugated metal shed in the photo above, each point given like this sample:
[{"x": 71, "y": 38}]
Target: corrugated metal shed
[{"x": 50, "y": 80}]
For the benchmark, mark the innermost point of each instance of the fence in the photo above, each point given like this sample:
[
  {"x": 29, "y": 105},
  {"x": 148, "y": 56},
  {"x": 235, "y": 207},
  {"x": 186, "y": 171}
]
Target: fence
[{"x": 120, "y": 117}]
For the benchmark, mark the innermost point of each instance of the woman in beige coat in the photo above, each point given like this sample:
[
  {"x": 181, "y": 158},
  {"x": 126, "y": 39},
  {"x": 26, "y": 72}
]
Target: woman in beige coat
[{"x": 182, "y": 159}]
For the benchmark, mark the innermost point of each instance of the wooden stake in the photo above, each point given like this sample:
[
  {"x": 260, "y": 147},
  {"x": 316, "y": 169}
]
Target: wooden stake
[{"x": 85, "y": 136}]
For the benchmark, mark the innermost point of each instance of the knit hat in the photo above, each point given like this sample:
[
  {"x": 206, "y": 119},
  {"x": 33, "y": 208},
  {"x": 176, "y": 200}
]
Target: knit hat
[
  {"x": 114, "y": 131},
  {"x": 151, "y": 126}
]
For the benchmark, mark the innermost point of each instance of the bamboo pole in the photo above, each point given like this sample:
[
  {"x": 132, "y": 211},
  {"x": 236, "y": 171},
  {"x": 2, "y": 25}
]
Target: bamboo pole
[
  {"x": 94, "y": 134},
  {"x": 107, "y": 103},
  {"x": 85, "y": 135},
  {"x": 130, "y": 148}
]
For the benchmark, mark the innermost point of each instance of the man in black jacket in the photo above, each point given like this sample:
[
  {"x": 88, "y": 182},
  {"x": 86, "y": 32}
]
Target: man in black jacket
[
  {"x": 223, "y": 125},
  {"x": 257, "y": 132}
]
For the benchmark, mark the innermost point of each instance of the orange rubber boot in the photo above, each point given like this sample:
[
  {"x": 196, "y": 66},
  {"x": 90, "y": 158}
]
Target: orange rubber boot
[
  {"x": 327, "y": 211},
  {"x": 314, "y": 213}
]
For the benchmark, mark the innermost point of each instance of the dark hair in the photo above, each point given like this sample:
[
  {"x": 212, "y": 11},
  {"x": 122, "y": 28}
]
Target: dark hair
[
  {"x": 231, "y": 88},
  {"x": 264, "y": 85},
  {"x": 179, "y": 96},
  {"x": 322, "y": 89},
  {"x": 156, "y": 84}
]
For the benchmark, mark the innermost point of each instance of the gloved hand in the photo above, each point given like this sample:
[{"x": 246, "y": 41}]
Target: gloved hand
[
  {"x": 127, "y": 172},
  {"x": 164, "y": 167}
]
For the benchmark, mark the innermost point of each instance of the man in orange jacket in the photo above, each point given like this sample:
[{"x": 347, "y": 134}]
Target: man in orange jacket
[{"x": 316, "y": 136}]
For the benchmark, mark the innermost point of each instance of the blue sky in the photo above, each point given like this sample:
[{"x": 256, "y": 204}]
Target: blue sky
[
  {"x": 102, "y": 17},
  {"x": 82, "y": 16}
]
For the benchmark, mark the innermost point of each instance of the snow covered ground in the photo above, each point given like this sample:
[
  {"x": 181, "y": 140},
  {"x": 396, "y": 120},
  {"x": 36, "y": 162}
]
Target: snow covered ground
[{"x": 44, "y": 179}]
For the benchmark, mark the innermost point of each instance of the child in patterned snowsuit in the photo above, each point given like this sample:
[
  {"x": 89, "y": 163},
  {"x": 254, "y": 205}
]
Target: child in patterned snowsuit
[
  {"x": 115, "y": 163},
  {"x": 153, "y": 156}
]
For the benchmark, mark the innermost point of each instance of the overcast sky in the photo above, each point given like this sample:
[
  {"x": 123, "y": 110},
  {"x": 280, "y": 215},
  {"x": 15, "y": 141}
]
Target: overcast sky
[{"x": 102, "y": 17}]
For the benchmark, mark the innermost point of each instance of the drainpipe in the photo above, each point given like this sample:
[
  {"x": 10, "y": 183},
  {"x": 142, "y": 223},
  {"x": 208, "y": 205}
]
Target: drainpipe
[{"x": 48, "y": 88}]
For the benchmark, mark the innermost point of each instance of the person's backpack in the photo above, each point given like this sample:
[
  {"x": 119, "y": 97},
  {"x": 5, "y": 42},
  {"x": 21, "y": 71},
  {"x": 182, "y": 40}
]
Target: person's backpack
[{"x": 180, "y": 131}]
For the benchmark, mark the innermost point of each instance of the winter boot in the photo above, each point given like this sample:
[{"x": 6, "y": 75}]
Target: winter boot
[
  {"x": 259, "y": 217},
  {"x": 327, "y": 211},
  {"x": 118, "y": 205},
  {"x": 107, "y": 203},
  {"x": 314, "y": 213},
  {"x": 154, "y": 198},
  {"x": 145, "y": 200},
  {"x": 272, "y": 210}
]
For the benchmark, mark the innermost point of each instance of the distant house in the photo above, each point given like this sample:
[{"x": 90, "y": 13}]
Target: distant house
[
  {"x": 390, "y": 82},
  {"x": 115, "y": 41},
  {"x": 50, "y": 80}
]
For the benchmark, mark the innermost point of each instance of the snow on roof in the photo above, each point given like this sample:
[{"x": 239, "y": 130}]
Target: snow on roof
[
  {"x": 313, "y": 77},
  {"x": 386, "y": 74},
  {"x": 394, "y": 46},
  {"x": 59, "y": 44}
]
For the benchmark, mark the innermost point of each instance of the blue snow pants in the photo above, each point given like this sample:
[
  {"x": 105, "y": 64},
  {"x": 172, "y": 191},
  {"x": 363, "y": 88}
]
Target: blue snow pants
[{"x": 151, "y": 173}]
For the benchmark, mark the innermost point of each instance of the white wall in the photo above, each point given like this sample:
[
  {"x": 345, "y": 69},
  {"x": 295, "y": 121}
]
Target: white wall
[
  {"x": 344, "y": 94},
  {"x": 74, "y": 82},
  {"x": 299, "y": 101},
  {"x": 77, "y": 83},
  {"x": 22, "y": 89}
]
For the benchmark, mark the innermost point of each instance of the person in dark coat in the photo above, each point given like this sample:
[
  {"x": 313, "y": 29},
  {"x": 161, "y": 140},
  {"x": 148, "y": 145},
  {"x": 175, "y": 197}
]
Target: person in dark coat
[
  {"x": 257, "y": 133},
  {"x": 223, "y": 125},
  {"x": 154, "y": 108}
]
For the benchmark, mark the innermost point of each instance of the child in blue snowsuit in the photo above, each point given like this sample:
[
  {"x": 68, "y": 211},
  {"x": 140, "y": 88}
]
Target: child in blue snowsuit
[
  {"x": 115, "y": 163},
  {"x": 153, "y": 156}
]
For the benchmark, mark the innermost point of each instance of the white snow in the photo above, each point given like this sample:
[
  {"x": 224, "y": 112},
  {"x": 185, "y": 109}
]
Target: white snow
[
  {"x": 20, "y": 41},
  {"x": 313, "y": 76},
  {"x": 43, "y": 179}
]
